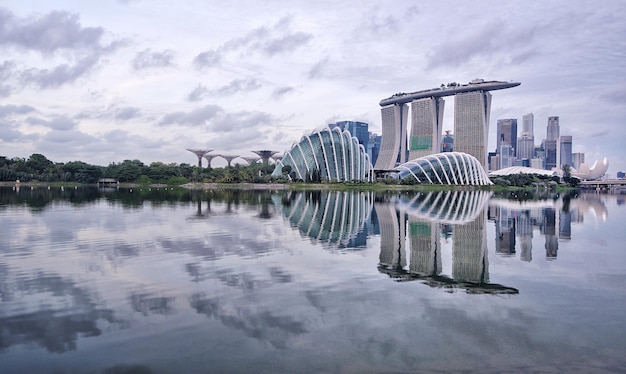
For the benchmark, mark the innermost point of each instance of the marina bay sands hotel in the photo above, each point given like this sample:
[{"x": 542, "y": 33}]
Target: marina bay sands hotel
[{"x": 472, "y": 106}]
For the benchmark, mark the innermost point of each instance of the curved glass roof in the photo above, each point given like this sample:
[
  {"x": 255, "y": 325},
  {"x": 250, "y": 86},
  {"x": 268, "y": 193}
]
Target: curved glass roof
[
  {"x": 327, "y": 154},
  {"x": 453, "y": 168}
]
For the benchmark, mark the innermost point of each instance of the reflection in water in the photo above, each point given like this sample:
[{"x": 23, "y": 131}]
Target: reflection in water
[
  {"x": 515, "y": 222},
  {"x": 69, "y": 312},
  {"x": 178, "y": 280},
  {"x": 334, "y": 218},
  {"x": 424, "y": 214}
]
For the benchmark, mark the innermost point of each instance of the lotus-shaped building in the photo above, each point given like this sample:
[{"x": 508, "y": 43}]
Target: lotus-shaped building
[
  {"x": 327, "y": 154},
  {"x": 454, "y": 168}
]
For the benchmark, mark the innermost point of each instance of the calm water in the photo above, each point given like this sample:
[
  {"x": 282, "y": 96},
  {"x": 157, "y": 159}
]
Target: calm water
[{"x": 177, "y": 281}]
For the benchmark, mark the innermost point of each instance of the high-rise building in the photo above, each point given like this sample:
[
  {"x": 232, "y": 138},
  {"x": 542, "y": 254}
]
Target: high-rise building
[
  {"x": 426, "y": 122},
  {"x": 373, "y": 147},
  {"x": 528, "y": 124},
  {"x": 565, "y": 151},
  {"x": 393, "y": 149},
  {"x": 471, "y": 124},
  {"x": 525, "y": 147},
  {"x": 553, "y": 128},
  {"x": 507, "y": 132},
  {"x": 359, "y": 130},
  {"x": 577, "y": 159},
  {"x": 506, "y": 155},
  {"x": 550, "y": 148},
  {"x": 471, "y": 121}
]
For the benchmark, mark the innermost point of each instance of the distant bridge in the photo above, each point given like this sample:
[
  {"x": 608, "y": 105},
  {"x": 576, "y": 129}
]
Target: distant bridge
[{"x": 607, "y": 185}]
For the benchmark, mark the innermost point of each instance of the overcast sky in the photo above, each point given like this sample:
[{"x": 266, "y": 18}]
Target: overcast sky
[{"x": 106, "y": 81}]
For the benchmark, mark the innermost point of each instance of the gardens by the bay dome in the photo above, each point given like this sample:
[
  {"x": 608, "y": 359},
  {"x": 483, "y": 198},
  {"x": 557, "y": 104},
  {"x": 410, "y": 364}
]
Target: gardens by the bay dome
[
  {"x": 454, "y": 168},
  {"x": 326, "y": 155}
]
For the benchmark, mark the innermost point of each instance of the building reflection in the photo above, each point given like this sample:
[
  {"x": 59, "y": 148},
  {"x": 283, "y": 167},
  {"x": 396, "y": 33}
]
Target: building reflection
[
  {"x": 333, "y": 218},
  {"x": 515, "y": 221},
  {"x": 424, "y": 220}
]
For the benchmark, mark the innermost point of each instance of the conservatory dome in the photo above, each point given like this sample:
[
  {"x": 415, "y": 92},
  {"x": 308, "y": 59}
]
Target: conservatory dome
[
  {"x": 327, "y": 154},
  {"x": 454, "y": 168}
]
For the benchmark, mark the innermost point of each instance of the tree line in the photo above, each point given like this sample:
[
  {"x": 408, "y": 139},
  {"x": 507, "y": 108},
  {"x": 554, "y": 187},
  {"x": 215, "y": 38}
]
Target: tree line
[{"x": 39, "y": 168}]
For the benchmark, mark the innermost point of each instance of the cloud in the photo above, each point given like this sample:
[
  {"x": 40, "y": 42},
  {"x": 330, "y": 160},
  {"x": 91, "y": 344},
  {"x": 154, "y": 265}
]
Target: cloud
[
  {"x": 282, "y": 91},
  {"x": 207, "y": 59},
  {"x": 126, "y": 113},
  {"x": 56, "y": 33},
  {"x": 286, "y": 43},
  {"x": 58, "y": 123},
  {"x": 148, "y": 59},
  {"x": 268, "y": 40},
  {"x": 8, "y": 110},
  {"x": 8, "y": 133},
  {"x": 243, "y": 120},
  {"x": 235, "y": 127},
  {"x": 196, "y": 117},
  {"x": 494, "y": 38},
  {"x": 318, "y": 69},
  {"x": 234, "y": 87},
  {"x": 61, "y": 74},
  {"x": 76, "y": 139},
  {"x": 47, "y": 33}
]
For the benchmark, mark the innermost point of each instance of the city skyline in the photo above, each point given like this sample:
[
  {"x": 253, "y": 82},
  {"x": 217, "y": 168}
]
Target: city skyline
[{"x": 103, "y": 84}]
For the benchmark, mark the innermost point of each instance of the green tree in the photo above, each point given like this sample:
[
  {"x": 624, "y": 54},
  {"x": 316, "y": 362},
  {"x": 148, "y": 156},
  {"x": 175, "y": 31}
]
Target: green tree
[{"x": 39, "y": 164}]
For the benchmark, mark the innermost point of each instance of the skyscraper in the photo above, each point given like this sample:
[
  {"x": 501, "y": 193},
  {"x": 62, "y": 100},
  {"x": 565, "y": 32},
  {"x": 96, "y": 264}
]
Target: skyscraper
[
  {"x": 528, "y": 124},
  {"x": 393, "y": 150},
  {"x": 426, "y": 122},
  {"x": 553, "y": 134},
  {"x": 577, "y": 159},
  {"x": 507, "y": 133},
  {"x": 550, "y": 149},
  {"x": 471, "y": 123},
  {"x": 553, "y": 128},
  {"x": 525, "y": 147},
  {"x": 359, "y": 130},
  {"x": 565, "y": 151}
]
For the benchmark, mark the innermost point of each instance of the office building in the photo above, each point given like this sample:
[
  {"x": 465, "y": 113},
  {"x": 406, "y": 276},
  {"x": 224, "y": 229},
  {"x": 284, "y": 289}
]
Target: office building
[
  {"x": 528, "y": 124},
  {"x": 506, "y": 155},
  {"x": 373, "y": 147},
  {"x": 565, "y": 151},
  {"x": 553, "y": 128},
  {"x": 507, "y": 133},
  {"x": 553, "y": 134},
  {"x": 550, "y": 149},
  {"x": 577, "y": 160},
  {"x": 525, "y": 147},
  {"x": 359, "y": 130}
]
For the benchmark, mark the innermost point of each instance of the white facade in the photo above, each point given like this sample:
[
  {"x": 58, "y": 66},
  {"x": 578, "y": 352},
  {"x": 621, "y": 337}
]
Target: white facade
[
  {"x": 471, "y": 124},
  {"x": 452, "y": 168},
  {"x": 426, "y": 123},
  {"x": 336, "y": 155},
  {"x": 393, "y": 148}
]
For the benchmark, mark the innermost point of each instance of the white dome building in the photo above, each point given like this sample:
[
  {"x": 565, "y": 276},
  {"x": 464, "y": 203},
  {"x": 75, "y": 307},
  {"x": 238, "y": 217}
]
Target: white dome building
[
  {"x": 334, "y": 155},
  {"x": 454, "y": 168}
]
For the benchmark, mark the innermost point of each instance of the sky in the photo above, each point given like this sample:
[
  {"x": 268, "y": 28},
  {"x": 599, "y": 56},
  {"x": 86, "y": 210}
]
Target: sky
[{"x": 112, "y": 80}]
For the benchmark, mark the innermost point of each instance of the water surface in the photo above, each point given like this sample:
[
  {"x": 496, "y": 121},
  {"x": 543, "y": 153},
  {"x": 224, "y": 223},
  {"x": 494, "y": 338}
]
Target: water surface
[{"x": 177, "y": 281}]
